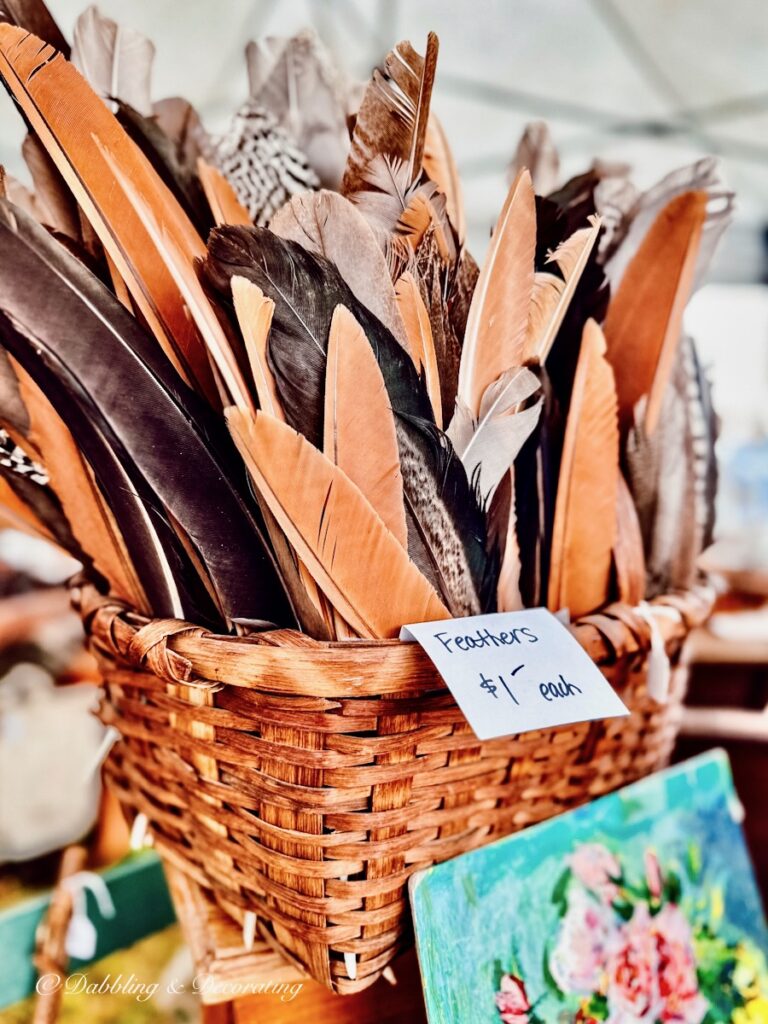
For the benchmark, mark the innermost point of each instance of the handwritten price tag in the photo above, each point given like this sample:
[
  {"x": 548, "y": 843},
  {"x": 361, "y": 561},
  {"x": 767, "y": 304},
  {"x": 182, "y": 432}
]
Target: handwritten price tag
[{"x": 516, "y": 671}]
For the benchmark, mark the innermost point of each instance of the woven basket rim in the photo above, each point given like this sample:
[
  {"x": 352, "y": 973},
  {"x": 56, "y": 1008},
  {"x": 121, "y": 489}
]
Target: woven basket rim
[{"x": 181, "y": 652}]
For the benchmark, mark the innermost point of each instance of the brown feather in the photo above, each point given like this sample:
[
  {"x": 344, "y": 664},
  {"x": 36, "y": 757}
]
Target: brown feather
[
  {"x": 75, "y": 134},
  {"x": 421, "y": 345},
  {"x": 359, "y": 426},
  {"x": 644, "y": 320},
  {"x": 585, "y": 510},
  {"x": 70, "y": 476},
  {"x": 225, "y": 206},
  {"x": 498, "y": 316},
  {"x": 393, "y": 115},
  {"x": 334, "y": 530},
  {"x": 254, "y": 311},
  {"x": 440, "y": 167}
]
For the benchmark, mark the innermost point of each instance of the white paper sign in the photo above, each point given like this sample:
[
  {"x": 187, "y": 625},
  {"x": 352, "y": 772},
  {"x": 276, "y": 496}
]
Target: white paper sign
[{"x": 511, "y": 672}]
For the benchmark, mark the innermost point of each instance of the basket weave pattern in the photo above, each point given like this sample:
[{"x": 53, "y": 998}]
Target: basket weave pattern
[{"x": 307, "y": 781}]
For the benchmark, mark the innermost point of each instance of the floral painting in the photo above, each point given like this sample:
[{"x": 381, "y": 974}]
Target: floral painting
[{"x": 640, "y": 908}]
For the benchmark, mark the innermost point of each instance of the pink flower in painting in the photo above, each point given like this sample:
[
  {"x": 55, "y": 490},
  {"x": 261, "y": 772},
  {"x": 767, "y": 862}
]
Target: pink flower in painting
[
  {"x": 653, "y": 874},
  {"x": 596, "y": 868},
  {"x": 587, "y": 932},
  {"x": 633, "y": 983},
  {"x": 678, "y": 983},
  {"x": 511, "y": 1001}
]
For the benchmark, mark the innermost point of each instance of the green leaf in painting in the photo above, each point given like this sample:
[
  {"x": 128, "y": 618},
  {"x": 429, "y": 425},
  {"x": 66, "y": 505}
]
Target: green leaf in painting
[{"x": 560, "y": 891}]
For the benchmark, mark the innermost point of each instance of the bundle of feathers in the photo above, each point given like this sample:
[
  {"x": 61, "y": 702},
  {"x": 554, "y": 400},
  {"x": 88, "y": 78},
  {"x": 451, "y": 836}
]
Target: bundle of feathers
[{"x": 325, "y": 416}]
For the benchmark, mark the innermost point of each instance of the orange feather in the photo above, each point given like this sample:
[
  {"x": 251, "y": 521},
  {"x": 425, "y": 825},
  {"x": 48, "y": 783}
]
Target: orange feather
[
  {"x": 357, "y": 562},
  {"x": 418, "y": 332},
  {"x": 585, "y": 510},
  {"x": 644, "y": 320},
  {"x": 225, "y": 206}
]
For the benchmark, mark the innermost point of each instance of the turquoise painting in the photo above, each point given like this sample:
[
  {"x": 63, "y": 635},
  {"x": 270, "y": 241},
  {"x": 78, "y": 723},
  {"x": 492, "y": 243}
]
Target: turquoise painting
[{"x": 640, "y": 908}]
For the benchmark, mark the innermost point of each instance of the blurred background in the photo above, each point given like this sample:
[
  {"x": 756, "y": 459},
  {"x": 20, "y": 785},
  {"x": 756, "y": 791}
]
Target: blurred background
[{"x": 655, "y": 85}]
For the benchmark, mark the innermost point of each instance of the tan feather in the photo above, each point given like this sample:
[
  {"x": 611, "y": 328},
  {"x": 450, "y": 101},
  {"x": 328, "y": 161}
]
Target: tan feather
[
  {"x": 74, "y": 133},
  {"x": 628, "y": 555},
  {"x": 254, "y": 316},
  {"x": 359, "y": 426},
  {"x": 421, "y": 344},
  {"x": 508, "y": 596},
  {"x": 225, "y": 206},
  {"x": 176, "y": 259},
  {"x": 644, "y": 320},
  {"x": 440, "y": 167},
  {"x": 585, "y": 510},
  {"x": 334, "y": 530},
  {"x": 70, "y": 476},
  {"x": 254, "y": 312},
  {"x": 552, "y": 294},
  {"x": 422, "y": 212},
  {"x": 498, "y": 316}
]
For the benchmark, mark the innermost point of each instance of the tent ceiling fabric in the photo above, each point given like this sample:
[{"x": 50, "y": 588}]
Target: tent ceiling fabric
[{"x": 655, "y": 84}]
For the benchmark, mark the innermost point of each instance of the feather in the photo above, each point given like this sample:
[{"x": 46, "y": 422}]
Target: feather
[
  {"x": 489, "y": 445},
  {"x": 306, "y": 290},
  {"x": 418, "y": 331},
  {"x": 180, "y": 123},
  {"x": 552, "y": 295},
  {"x": 498, "y": 317},
  {"x": 32, "y": 499},
  {"x": 628, "y": 214},
  {"x": 16, "y": 514},
  {"x": 334, "y": 530},
  {"x": 197, "y": 303},
  {"x": 440, "y": 167},
  {"x": 116, "y": 61},
  {"x": 38, "y": 78},
  {"x": 81, "y": 501},
  {"x": 642, "y": 328},
  {"x": 296, "y": 81},
  {"x": 537, "y": 152},
  {"x": 502, "y": 530},
  {"x": 13, "y": 411},
  {"x": 34, "y": 17},
  {"x": 171, "y": 451},
  {"x": 170, "y": 156},
  {"x": 326, "y": 224},
  {"x": 262, "y": 162},
  {"x": 58, "y": 208},
  {"x": 359, "y": 429},
  {"x": 225, "y": 206},
  {"x": 254, "y": 316},
  {"x": 585, "y": 513},
  {"x": 393, "y": 116},
  {"x": 628, "y": 555},
  {"x": 672, "y": 476},
  {"x": 446, "y": 525},
  {"x": 432, "y": 274}
]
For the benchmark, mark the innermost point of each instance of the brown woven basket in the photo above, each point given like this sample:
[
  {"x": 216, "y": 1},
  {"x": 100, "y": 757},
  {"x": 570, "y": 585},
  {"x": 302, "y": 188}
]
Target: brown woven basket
[{"x": 306, "y": 781}]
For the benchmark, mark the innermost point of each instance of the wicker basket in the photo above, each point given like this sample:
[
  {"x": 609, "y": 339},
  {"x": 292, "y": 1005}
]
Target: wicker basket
[{"x": 307, "y": 781}]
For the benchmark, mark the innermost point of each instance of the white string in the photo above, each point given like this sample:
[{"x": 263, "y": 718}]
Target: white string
[
  {"x": 81, "y": 939},
  {"x": 659, "y": 671}
]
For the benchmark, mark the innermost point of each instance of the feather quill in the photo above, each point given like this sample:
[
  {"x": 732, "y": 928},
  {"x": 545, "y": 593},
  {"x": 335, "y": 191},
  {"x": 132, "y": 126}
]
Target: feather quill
[
  {"x": 644, "y": 320},
  {"x": 334, "y": 530},
  {"x": 585, "y": 512},
  {"x": 498, "y": 316},
  {"x": 359, "y": 429}
]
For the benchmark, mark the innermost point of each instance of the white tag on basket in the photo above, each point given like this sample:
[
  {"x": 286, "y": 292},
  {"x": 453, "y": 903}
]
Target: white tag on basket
[
  {"x": 82, "y": 937},
  {"x": 512, "y": 672}
]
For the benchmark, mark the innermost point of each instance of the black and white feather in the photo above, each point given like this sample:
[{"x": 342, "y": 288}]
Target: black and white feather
[{"x": 262, "y": 163}]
